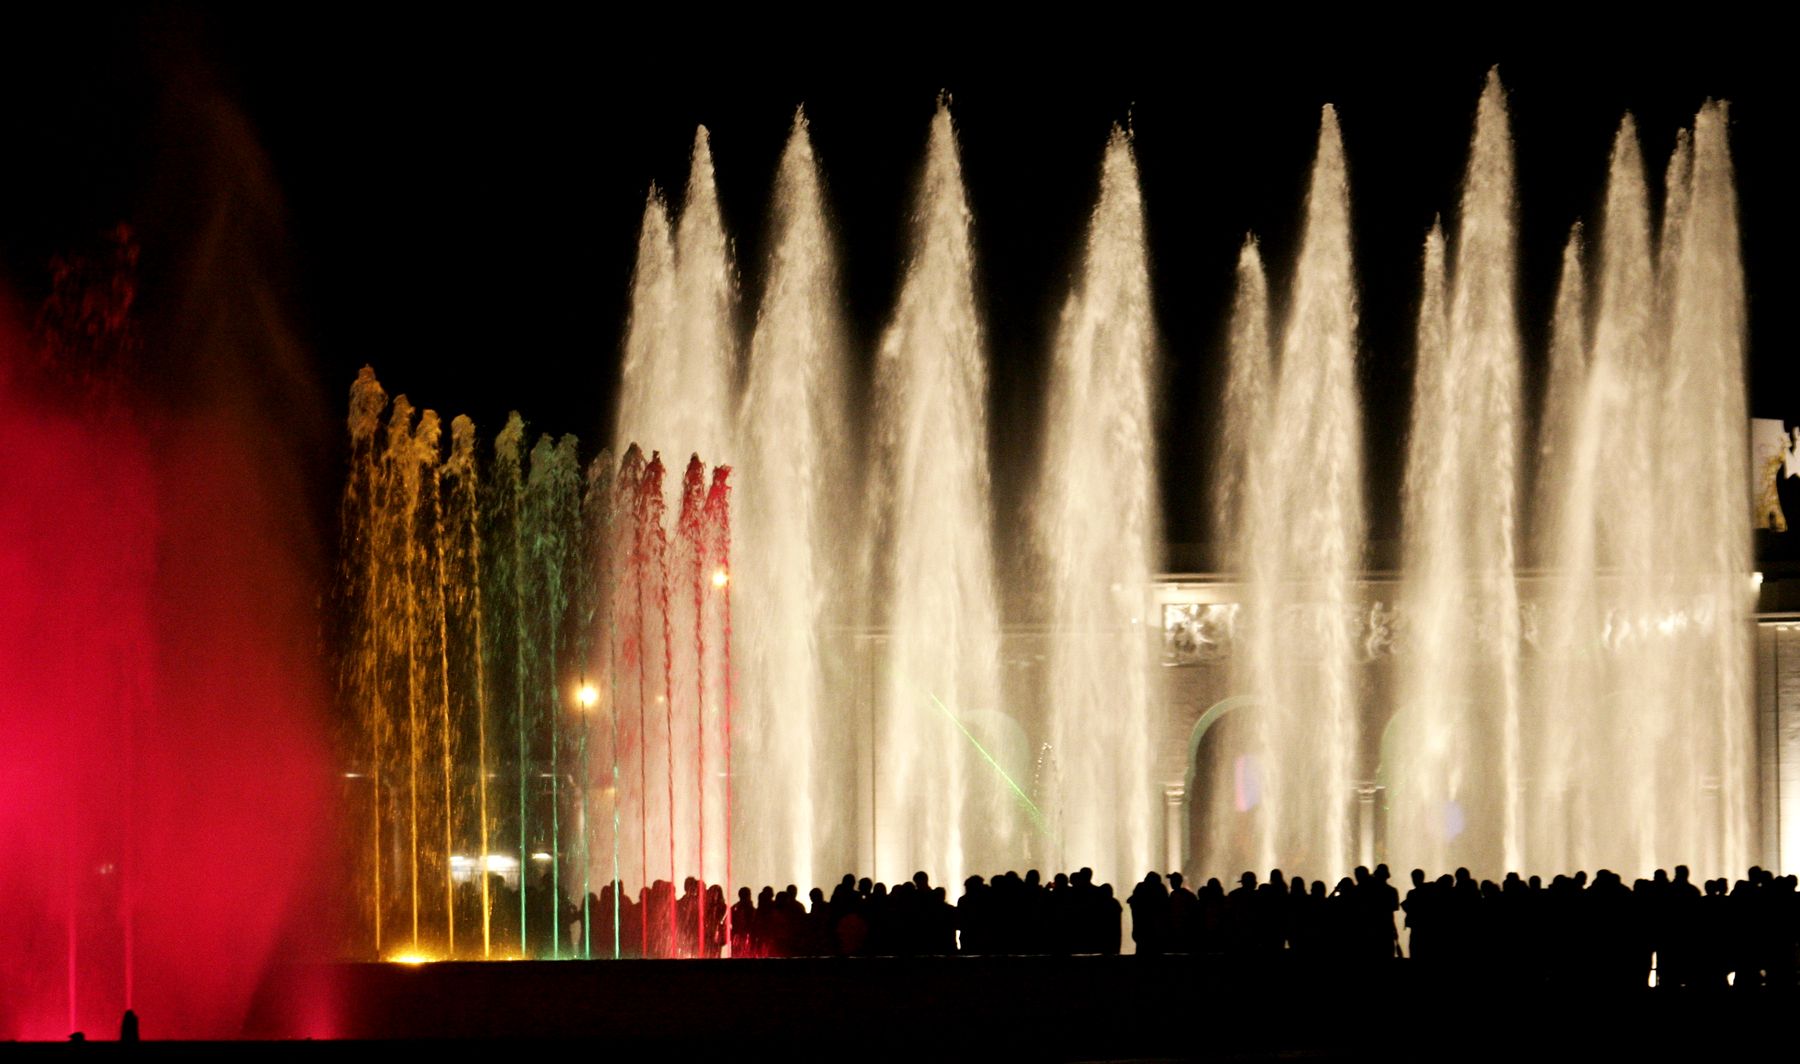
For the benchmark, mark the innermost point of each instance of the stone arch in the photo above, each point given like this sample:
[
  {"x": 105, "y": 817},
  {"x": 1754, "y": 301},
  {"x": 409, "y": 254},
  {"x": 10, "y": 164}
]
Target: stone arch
[{"x": 1214, "y": 713}]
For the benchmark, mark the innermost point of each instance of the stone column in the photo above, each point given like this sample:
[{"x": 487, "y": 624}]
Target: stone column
[{"x": 1175, "y": 824}]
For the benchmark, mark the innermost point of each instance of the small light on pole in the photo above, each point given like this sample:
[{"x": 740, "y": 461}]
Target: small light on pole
[
  {"x": 720, "y": 577},
  {"x": 587, "y": 696}
]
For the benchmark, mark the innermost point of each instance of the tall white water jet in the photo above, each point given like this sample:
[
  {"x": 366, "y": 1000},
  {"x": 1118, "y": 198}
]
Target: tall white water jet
[
  {"x": 1599, "y": 621},
  {"x": 1562, "y": 398},
  {"x": 935, "y": 550},
  {"x": 679, "y": 358},
  {"x": 1563, "y": 665},
  {"x": 706, "y": 298},
  {"x": 1243, "y": 498},
  {"x": 1098, "y": 527},
  {"x": 792, "y": 439},
  {"x": 1703, "y": 531},
  {"x": 1245, "y": 412},
  {"x": 676, "y": 397},
  {"x": 1624, "y": 398},
  {"x": 1424, "y": 758},
  {"x": 651, "y": 387},
  {"x": 1458, "y": 785},
  {"x": 1307, "y": 547}
]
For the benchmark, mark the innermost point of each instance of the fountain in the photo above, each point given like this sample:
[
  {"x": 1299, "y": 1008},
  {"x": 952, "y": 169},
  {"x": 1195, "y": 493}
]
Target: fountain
[
  {"x": 166, "y": 802},
  {"x": 561, "y": 734},
  {"x": 584, "y": 702},
  {"x": 1098, "y": 529},
  {"x": 1459, "y": 702},
  {"x": 541, "y": 668},
  {"x": 1292, "y": 508},
  {"x": 792, "y": 573}
]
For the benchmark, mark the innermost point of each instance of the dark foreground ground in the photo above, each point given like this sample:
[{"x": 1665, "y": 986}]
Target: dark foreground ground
[{"x": 998, "y": 1009}]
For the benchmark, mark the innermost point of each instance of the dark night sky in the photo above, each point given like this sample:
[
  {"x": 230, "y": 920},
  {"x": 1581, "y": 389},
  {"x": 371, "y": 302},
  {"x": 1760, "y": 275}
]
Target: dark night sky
[{"x": 461, "y": 197}]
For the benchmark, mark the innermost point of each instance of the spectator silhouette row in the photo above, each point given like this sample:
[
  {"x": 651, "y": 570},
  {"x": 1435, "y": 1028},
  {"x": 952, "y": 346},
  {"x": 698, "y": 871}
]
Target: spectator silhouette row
[{"x": 1595, "y": 931}]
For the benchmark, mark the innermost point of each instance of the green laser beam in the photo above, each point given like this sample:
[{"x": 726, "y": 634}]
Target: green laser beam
[{"x": 1037, "y": 816}]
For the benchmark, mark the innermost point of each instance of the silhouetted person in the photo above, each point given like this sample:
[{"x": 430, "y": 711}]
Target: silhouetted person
[
  {"x": 1184, "y": 917},
  {"x": 1111, "y": 920},
  {"x": 743, "y": 924},
  {"x": 1149, "y": 903},
  {"x": 715, "y": 921},
  {"x": 971, "y": 918},
  {"x": 1383, "y": 903},
  {"x": 128, "y": 1027}
]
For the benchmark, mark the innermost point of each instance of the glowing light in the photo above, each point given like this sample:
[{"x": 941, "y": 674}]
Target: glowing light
[
  {"x": 410, "y": 958},
  {"x": 540, "y": 856},
  {"x": 587, "y": 696},
  {"x": 721, "y": 577},
  {"x": 499, "y": 862}
]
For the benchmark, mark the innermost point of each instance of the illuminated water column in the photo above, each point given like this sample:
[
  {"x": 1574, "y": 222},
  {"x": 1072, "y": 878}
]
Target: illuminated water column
[
  {"x": 1097, "y": 524},
  {"x": 1306, "y": 547},
  {"x": 1455, "y": 786},
  {"x": 934, "y": 551},
  {"x": 794, "y": 565}
]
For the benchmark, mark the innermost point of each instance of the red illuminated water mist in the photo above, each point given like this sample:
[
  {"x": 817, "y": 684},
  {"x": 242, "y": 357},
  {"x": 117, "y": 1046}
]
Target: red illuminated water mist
[{"x": 164, "y": 768}]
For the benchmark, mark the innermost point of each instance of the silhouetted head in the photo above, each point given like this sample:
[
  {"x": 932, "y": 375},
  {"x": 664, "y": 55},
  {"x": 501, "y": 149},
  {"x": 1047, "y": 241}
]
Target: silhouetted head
[
  {"x": 1174, "y": 880},
  {"x": 864, "y": 885},
  {"x": 1535, "y": 883},
  {"x": 1418, "y": 877},
  {"x": 1661, "y": 878},
  {"x": 1061, "y": 880},
  {"x": 690, "y": 884},
  {"x": 1681, "y": 873},
  {"x": 744, "y": 894},
  {"x": 1297, "y": 886},
  {"x": 1032, "y": 878},
  {"x": 972, "y": 884},
  {"x": 1276, "y": 879},
  {"x": 1248, "y": 879},
  {"x": 921, "y": 880},
  {"x": 1362, "y": 874},
  {"x": 1152, "y": 879},
  {"x": 849, "y": 881}
]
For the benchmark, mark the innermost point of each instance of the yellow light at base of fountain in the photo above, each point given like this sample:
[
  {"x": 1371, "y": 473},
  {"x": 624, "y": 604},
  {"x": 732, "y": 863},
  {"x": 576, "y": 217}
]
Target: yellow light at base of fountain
[
  {"x": 720, "y": 577},
  {"x": 587, "y": 696},
  {"x": 410, "y": 958}
]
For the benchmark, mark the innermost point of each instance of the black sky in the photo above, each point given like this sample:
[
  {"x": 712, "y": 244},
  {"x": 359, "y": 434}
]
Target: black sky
[{"x": 461, "y": 195}]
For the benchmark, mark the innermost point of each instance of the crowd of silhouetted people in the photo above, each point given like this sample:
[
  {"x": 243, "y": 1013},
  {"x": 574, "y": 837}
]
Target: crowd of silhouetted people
[{"x": 1597, "y": 931}]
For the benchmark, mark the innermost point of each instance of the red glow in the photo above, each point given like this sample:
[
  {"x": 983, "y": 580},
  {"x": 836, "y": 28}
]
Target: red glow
[{"x": 163, "y": 767}]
